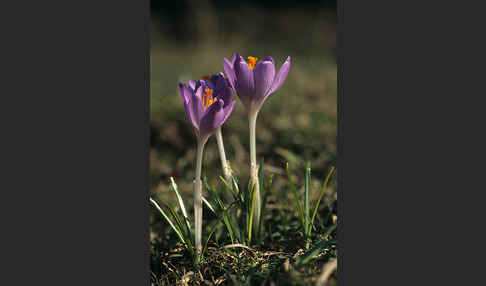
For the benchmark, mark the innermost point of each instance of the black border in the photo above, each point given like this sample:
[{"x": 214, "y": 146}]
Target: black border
[
  {"x": 74, "y": 194},
  {"x": 410, "y": 194},
  {"x": 340, "y": 141}
]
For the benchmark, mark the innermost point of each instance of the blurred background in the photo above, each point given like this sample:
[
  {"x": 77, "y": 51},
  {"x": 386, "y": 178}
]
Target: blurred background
[{"x": 296, "y": 124}]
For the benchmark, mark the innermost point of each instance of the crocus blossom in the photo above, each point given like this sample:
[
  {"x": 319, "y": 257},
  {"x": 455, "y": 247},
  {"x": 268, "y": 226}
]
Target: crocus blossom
[
  {"x": 208, "y": 103},
  {"x": 218, "y": 83},
  {"x": 256, "y": 80}
]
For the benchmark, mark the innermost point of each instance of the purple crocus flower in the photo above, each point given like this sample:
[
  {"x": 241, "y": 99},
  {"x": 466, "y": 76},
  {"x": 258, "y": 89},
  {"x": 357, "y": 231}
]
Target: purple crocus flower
[
  {"x": 208, "y": 103},
  {"x": 254, "y": 81}
]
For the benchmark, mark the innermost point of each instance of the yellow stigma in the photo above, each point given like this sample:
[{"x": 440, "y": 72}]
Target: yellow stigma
[
  {"x": 207, "y": 99},
  {"x": 252, "y": 61}
]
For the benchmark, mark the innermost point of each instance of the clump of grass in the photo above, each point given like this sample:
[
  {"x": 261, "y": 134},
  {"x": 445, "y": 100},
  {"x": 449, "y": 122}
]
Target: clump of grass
[
  {"x": 240, "y": 256},
  {"x": 307, "y": 221}
]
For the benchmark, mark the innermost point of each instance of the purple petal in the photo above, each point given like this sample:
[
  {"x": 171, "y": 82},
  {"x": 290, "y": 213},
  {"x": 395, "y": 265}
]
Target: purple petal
[
  {"x": 264, "y": 73},
  {"x": 199, "y": 83},
  {"x": 194, "y": 110},
  {"x": 197, "y": 105},
  {"x": 280, "y": 77},
  {"x": 226, "y": 95},
  {"x": 209, "y": 84},
  {"x": 185, "y": 93},
  {"x": 244, "y": 84},
  {"x": 190, "y": 115},
  {"x": 230, "y": 73},
  {"x": 224, "y": 80},
  {"x": 233, "y": 59},
  {"x": 219, "y": 82},
  {"x": 227, "y": 110},
  {"x": 199, "y": 91},
  {"x": 229, "y": 68},
  {"x": 192, "y": 84},
  {"x": 212, "y": 118}
]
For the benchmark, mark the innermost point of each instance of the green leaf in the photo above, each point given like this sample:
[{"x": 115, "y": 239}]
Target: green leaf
[
  {"x": 224, "y": 209},
  {"x": 329, "y": 230},
  {"x": 228, "y": 226},
  {"x": 213, "y": 229},
  {"x": 177, "y": 231},
  {"x": 209, "y": 205},
  {"x": 315, "y": 250},
  {"x": 270, "y": 181},
  {"x": 261, "y": 175},
  {"x": 237, "y": 188},
  {"x": 321, "y": 194},
  {"x": 214, "y": 195},
  {"x": 307, "y": 198},
  {"x": 296, "y": 195},
  {"x": 228, "y": 186},
  {"x": 263, "y": 192},
  {"x": 181, "y": 202},
  {"x": 186, "y": 233},
  {"x": 251, "y": 214}
]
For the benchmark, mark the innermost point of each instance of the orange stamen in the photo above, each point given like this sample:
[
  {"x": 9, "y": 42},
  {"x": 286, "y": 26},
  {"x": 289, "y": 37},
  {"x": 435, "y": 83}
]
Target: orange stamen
[
  {"x": 206, "y": 98},
  {"x": 206, "y": 77},
  {"x": 252, "y": 61}
]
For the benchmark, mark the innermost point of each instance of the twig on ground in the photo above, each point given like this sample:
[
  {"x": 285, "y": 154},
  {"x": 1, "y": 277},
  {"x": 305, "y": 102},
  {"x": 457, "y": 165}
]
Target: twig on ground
[{"x": 327, "y": 270}]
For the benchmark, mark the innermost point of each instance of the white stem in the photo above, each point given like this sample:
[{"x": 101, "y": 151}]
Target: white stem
[
  {"x": 252, "y": 117},
  {"x": 224, "y": 163},
  {"x": 198, "y": 196}
]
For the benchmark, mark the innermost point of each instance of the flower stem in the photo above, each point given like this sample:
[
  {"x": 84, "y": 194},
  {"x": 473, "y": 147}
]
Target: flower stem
[
  {"x": 254, "y": 168},
  {"x": 224, "y": 164},
  {"x": 198, "y": 196}
]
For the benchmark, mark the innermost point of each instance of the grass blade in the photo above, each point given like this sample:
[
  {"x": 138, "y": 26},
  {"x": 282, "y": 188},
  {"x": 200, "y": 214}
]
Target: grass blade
[
  {"x": 214, "y": 194},
  {"x": 213, "y": 229},
  {"x": 318, "y": 248},
  {"x": 209, "y": 205},
  {"x": 324, "y": 186},
  {"x": 237, "y": 188},
  {"x": 228, "y": 226},
  {"x": 261, "y": 175},
  {"x": 224, "y": 209},
  {"x": 307, "y": 198},
  {"x": 296, "y": 195},
  {"x": 330, "y": 230},
  {"x": 247, "y": 205},
  {"x": 251, "y": 213},
  {"x": 186, "y": 233},
  {"x": 227, "y": 185},
  {"x": 329, "y": 214},
  {"x": 181, "y": 202},
  {"x": 264, "y": 204},
  {"x": 177, "y": 231},
  {"x": 178, "y": 220},
  {"x": 263, "y": 192}
]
